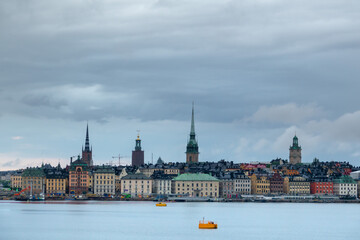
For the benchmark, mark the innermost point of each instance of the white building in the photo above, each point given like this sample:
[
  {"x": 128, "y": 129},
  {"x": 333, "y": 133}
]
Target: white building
[
  {"x": 104, "y": 181},
  {"x": 138, "y": 185},
  {"x": 242, "y": 185},
  {"x": 161, "y": 184},
  {"x": 345, "y": 186}
]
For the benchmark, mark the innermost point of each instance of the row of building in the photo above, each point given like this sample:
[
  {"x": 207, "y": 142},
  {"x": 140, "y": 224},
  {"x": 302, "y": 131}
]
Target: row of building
[{"x": 179, "y": 179}]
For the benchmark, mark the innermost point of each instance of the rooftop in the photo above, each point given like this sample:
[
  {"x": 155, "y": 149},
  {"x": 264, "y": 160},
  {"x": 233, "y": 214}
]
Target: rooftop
[{"x": 195, "y": 177}]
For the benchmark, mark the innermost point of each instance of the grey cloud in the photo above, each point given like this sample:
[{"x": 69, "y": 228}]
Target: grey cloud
[{"x": 43, "y": 100}]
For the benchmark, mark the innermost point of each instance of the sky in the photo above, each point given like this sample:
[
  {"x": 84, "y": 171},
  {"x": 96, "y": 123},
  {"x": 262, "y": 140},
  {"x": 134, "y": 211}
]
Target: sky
[{"x": 258, "y": 71}]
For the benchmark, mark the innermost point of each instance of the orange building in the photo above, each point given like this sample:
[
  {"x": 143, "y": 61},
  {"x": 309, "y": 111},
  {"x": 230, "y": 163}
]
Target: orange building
[{"x": 79, "y": 177}]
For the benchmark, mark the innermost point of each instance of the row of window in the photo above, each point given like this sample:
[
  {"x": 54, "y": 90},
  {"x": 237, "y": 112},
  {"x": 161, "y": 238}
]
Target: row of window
[
  {"x": 101, "y": 182},
  {"x": 101, "y": 177},
  {"x": 197, "y": 185}
]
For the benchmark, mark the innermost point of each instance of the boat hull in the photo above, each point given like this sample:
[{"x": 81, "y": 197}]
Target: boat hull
[{"x": 207, "y": 226}]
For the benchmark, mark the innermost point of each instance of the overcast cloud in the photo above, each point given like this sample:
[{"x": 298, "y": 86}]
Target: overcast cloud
[{"x": 258, "y": 71}]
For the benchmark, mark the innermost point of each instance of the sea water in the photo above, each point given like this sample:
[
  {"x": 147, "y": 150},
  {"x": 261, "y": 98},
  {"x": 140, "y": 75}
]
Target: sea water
[{"x": 143, "y": 220}]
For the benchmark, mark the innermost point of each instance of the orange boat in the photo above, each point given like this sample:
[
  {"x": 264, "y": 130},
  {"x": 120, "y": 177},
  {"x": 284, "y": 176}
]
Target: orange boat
[
  {"x": 161, "y": 204},
  {"x": 207, "y": 225}
]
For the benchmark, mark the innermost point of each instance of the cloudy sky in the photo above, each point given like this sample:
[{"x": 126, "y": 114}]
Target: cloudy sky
[{"x": 259, "y": 71}]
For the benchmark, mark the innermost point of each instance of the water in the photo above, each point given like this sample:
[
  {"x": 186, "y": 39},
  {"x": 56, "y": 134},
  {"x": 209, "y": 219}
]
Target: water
[{"x": 142, "y": 220}]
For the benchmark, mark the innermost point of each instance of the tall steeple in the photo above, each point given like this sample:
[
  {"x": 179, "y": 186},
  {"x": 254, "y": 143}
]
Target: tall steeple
[
  {"x": 87, "y": 151},
  {"x": 192, "y": 148},
  {"x": 192, "y": 130},
  {"x": 87, "y": 141}
]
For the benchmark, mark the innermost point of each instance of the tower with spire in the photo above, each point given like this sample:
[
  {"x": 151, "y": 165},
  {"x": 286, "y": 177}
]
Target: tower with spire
[
  {"x": 192, "y": 148},
  {"x": 295, "y": 152},
  {"x": 138, "y": 154},
  {"x": 87, "y": 151}
]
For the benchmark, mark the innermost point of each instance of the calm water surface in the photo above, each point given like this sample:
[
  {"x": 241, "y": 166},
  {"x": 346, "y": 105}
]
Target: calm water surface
[{"x": 142, "y": 220}]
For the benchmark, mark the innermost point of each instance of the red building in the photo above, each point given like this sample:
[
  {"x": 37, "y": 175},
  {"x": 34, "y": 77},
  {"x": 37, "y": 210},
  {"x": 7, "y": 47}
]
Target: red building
[
  {"x": 276, "y": 184},
  {"x": 322, "y": 186}
]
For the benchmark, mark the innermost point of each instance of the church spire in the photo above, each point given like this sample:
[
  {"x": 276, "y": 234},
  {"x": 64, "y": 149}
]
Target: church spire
[
  {"x": 192, "y": 148},
  {"x": 87, "y": 141},
  {"x": 192, "y": 130}
]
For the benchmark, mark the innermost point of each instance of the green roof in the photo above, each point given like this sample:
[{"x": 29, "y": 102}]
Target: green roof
[
  {"x": 33, "y": 172},
  {"x": 195, "y": 177},
  {"x": 345, "y": 179}
]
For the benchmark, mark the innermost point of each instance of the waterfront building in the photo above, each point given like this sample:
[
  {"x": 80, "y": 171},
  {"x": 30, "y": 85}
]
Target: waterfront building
[
  {"x": 345, "y": 186},
  {"x": 87, "y": 151},
  {"x": 296, "y": 185},
  {"x": 138, "y": 154},
  {"x": 16, "y": 180},
  {"x": 192, "y": 148},
  {"x": 260, "y": 184},
  {"x": 119, "y": 174},
  {"x": 137, "y": 185},
  {"x": 321, "y": 186},
  {"x": 56, "y": 181},
  {"x": 78, "y": 177},
  {"x": 242, "y": 184},
  {"x": 104, "y": 181},
  {"x": 35, "y": 179},
  {"x": 161, "y": 183},
  {"x": 295, "y": 152},
  {"x": 276, "y": 184},
  {"x": 196, "y": 185},
  {"x": 226, "y": 185}
]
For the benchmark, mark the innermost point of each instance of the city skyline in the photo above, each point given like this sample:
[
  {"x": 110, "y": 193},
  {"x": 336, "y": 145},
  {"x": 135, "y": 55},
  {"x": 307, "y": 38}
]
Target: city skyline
[{"x": 257, "y": 71}]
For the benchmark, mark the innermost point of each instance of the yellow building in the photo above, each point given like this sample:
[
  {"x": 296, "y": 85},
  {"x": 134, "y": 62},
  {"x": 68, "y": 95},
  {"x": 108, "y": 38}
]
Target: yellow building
[
  {"x": 56, "y": 182},
  {"x": 296, "y": 186},
  {"x": 196, "y": 185},
  {"x": 35, "y": 179},
  {"x": 104, "y": 181},
  {"x": 137, "y": 185},
  {"x": 260, "y": 184},
  {"x": 16, "y": 181}
]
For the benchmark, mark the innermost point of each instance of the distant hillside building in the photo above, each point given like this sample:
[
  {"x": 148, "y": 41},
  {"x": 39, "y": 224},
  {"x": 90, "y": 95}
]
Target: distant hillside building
[
  {"x": 137, "y": 155},
  {"x": 192, "y": 148},
  {"x": 295, "y": 152},
  {"x": 87, "y": 151}
]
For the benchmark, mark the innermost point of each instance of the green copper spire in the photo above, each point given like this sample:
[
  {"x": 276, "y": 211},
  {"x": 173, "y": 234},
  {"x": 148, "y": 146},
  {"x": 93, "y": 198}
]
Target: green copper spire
[
  {"x": 192, "y": 146},
  {"x": 192, "y": 130}
]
